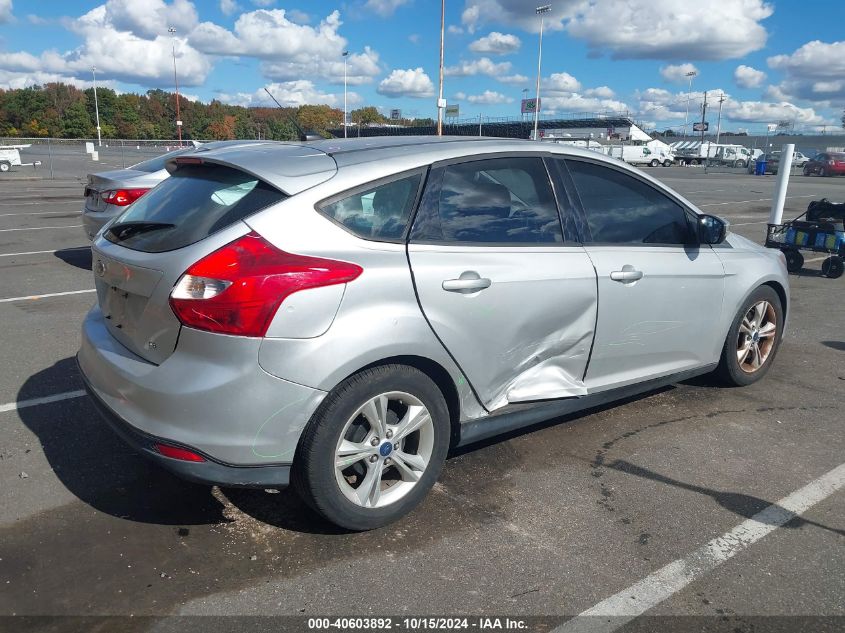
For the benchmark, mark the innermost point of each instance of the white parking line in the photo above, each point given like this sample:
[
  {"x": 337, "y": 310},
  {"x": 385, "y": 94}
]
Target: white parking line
[
  {"x": 33, "y": 402},
  {"x": 720, "y": 204},
  {"x": 6, "y": 215},
  {"x": 43, "y": 228},
  {"x": 45, "y": 296},
  {"x": 617, "y": 610},
  {"x": 43, "y": 203},
  {"x": 72, "y": 248}
]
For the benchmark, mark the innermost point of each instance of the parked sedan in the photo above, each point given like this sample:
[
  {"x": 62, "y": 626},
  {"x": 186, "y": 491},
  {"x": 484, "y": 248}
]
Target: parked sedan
[
  {"x": 826, "y": 164},
  {"x": 337, "y": 315},
  {"x": 108, "y": 193}
]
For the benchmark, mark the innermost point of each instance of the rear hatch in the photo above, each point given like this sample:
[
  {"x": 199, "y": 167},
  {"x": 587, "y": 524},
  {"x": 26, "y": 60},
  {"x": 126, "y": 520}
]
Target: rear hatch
[{"x": 199, "y": 209}]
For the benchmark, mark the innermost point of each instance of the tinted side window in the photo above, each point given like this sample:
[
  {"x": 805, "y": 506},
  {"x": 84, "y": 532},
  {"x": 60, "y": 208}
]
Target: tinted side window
[
  {"x": 376, "y": 213},
  {"x": 494, "y": 201},
  {"x": 621, "y": 209}
]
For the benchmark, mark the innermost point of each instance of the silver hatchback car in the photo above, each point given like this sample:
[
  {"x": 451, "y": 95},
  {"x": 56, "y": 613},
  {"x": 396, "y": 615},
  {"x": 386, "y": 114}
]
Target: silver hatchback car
[{"x": 338, "y": 314}]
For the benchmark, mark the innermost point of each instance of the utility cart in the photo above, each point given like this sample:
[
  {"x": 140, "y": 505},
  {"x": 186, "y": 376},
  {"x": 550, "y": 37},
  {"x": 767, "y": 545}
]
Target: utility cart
[{"x": 822, "y": 230}]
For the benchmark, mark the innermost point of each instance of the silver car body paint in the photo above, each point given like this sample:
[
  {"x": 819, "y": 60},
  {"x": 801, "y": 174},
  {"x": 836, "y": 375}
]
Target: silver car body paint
[{"x": 528, "y": 337}]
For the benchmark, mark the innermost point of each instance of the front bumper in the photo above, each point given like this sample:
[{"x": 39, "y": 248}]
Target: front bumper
[{"x": 208, "y": 472}]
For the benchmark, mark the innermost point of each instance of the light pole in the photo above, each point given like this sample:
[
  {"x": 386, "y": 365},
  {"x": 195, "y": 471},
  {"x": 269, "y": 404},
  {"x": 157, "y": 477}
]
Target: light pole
[
  {"x": 524, "y": 97},
  {"x": 691, "y": 74},
  {"x": 541, "y": 11},
  {"x": 345, "y": 58},
  {"x": 96, "y": 107},
  {"x": 172, "y": 32},
  {"x": 719, "y": 120},
  {"x": 440, "y": 102}
]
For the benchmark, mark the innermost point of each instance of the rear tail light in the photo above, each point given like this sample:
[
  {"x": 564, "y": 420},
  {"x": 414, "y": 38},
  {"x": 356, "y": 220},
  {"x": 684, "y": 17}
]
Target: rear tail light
[
  {"x": 123, "y": 197},
  {"x": 177, "y": 452},
  {"x": 238, "y": 288}
]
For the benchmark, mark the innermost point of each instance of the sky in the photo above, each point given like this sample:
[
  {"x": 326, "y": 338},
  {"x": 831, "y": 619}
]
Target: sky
[{"x": 782, "y": 60}]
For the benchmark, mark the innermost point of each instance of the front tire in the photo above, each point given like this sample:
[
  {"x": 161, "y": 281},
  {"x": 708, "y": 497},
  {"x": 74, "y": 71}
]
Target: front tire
[
  {"x": 374, "y": 447},
  {"x": 5, "y": 166},
  {"x": 822, "y": 172},
  {"x": 833, "y": 267},
  {"x": 753, "y": 339},
  {"x": 654, "y": 162}
]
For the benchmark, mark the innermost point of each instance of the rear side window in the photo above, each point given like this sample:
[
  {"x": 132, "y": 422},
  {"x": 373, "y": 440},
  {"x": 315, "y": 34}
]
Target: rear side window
[
  {"x": 493, "y": 201},
  {"x": 375, "y": 212},
  {"x": 196, "y": 201},
  {"x": 621, "y": 209}
]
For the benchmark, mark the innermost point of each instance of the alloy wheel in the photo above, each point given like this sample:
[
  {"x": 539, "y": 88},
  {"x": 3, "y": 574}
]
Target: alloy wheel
[
  {"x": 384, "y": 449},
  {"x": 756, "y": 338}
]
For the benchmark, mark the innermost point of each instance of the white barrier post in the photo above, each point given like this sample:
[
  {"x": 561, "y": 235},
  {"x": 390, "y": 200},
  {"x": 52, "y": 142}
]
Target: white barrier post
[{"x": 784, "y": 168}]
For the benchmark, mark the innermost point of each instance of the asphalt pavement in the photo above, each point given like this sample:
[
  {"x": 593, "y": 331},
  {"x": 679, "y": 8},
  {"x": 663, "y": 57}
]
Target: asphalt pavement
[{"x": 612, "y": 507}]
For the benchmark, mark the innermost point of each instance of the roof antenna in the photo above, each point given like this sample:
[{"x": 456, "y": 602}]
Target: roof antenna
[{"x": 303, "y": 136}]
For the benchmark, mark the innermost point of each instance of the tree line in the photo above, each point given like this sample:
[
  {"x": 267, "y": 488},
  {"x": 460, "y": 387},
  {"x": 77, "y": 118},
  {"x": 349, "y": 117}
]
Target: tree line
[{"x": 63, "y": 111}]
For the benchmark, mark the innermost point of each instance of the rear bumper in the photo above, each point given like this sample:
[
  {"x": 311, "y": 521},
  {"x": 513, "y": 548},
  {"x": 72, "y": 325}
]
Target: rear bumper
[
  {"x": 210, "y": 396},
  {"x": 208, "y": 472}
]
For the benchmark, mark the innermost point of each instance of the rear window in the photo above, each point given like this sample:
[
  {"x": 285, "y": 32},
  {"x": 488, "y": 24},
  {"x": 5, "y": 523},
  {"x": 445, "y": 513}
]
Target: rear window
[
  {"x": 157, "y": 164},
  {"x": 195, "y": 202}
]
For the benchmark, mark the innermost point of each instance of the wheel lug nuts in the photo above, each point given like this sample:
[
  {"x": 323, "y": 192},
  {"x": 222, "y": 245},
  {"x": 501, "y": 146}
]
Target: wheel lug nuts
[
  {"x": 373, "y": 458},
  {"x": 389, "y": 434},
  {"x": 388, "y": 461},
  {"x": 396, "y": 446},
  {"x": 374, "y": 441}
]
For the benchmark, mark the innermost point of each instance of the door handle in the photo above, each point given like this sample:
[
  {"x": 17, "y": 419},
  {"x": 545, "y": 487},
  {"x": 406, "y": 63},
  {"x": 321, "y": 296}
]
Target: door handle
[
  {"x": 466, "y": 285},
  {"x": 626, "y": 275}
]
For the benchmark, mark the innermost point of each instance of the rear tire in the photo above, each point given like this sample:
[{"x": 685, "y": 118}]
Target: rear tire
[
  {"x": 667, "y": 163},
  {"x": 822, "y": 172},
  {"x": 5, "y": 166},
  {"x": 753, "y": 339},
  {"x": 833, "y": 267},
  {"x": 384, "y": 483},
  {"x": 794, "y": 260},
  {"x": 807, "y": 172},
  {"x": 654, "y": 162}
]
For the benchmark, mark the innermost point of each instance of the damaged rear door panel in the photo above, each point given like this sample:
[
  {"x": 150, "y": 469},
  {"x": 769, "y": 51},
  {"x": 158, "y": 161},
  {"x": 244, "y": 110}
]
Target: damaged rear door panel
[{"x": 510, "y": 299}]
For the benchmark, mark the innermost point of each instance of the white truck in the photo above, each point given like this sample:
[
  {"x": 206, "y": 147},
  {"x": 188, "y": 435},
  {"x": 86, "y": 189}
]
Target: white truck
[
  {"x": 642, "y": 155},
  {"x": 698, "y": 153},
  {"x": 10, "y": 156}
]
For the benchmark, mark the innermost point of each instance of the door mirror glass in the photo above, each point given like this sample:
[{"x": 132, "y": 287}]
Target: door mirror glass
[{"x": 712, "y": 230}]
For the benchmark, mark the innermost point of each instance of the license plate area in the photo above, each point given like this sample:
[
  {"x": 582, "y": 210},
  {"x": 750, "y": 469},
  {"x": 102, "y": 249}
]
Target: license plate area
[{"x": 115, "y": 306}]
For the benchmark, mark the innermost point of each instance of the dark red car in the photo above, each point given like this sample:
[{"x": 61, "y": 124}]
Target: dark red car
[{"x": 826, "y": 164}]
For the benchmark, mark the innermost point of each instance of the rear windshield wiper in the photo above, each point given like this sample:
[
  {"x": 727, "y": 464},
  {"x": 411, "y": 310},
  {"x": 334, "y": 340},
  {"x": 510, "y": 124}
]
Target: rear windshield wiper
[{"x": 125, "y": 230}]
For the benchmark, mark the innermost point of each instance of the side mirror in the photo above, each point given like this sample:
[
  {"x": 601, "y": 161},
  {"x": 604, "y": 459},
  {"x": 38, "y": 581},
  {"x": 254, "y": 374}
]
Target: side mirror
[{"x": 712, "y": 230}]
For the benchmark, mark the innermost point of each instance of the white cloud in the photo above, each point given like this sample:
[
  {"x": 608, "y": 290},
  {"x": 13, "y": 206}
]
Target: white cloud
[
  {"x": 460, "y": 96},
  {"x": 602, "y": 92},
  {"x": 414, "y": 38},
  {"x": 289, "y": 93},
  {"x": 263, "y": 3},
  {"x": 667, "y": 29},
  {"x": 560, "y": 82},
  {"x": 496, "y": 44},
  {"x": 489, "y": 97},
  {"x": 677, "y": 73},
  {"x": 748, "y": 77},
  {"x": 763, "y": 112},
  {"x": 516, "y": 12},
  {"x": 481, "y": 66},
  {"x": 361, "y": 68},
  {"x": 298, "y": 17},
  {"x": 454, "y": 30},
  {"x": 15, "y": 80},
  {"x": 513, "y": 79},
  {"x": 5, "y": 11},
  {"x": 575, "y": 102},
  {"x": 815, "y": 72},
  {"x": 228, "y": 7},
  {"x": 384, "y": 8},
  {"x": 412, "y": 82},
  {"x": 149, "y": 18},
  {"x": 114, "y": 42}
]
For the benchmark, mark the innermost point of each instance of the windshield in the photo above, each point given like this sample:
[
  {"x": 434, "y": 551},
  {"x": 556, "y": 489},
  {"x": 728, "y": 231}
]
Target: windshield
[
  {"x": 196, "y": 201},
  {"x": 157, "y": 164}
]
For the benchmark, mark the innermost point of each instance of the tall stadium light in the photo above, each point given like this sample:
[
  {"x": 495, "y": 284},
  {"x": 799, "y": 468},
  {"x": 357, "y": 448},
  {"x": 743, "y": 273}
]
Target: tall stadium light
[
  {"x": 172, "y": 32},
  {"x": 345, "y": 59},
  {"x": 524, "y": 97},
  {"x": 96, "y": 107},
  {"x": 441, "y": 103},
  {"x": 691, "y": 74},
  {"x": 541, "y": 11}
]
